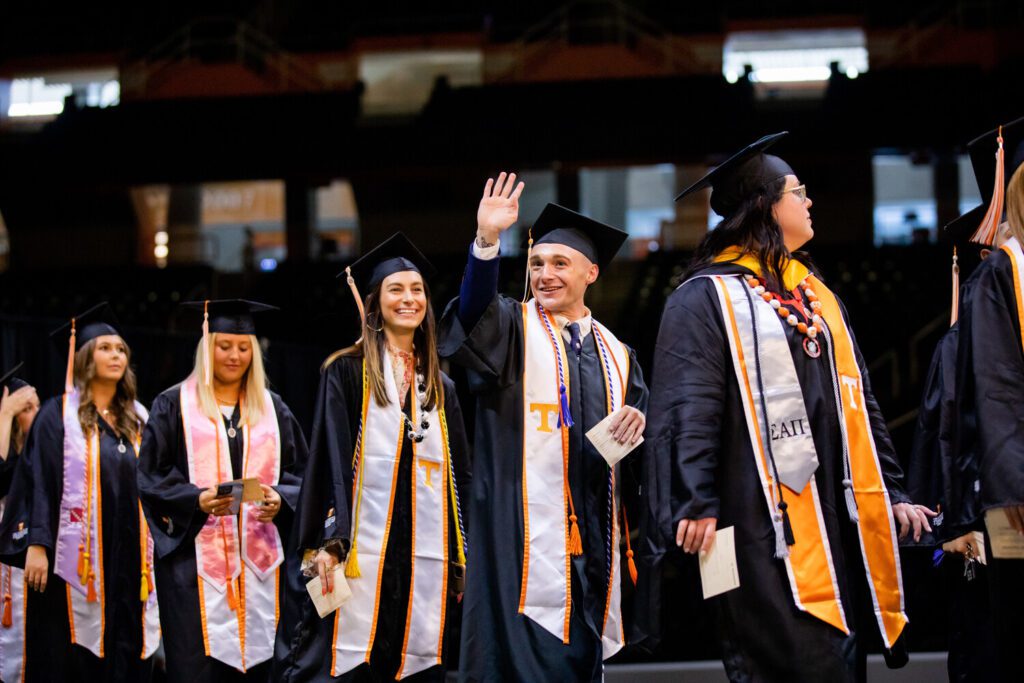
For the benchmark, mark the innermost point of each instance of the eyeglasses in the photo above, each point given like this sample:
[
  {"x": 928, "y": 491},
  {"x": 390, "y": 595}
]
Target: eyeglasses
[{"x": 800, "y": 191}]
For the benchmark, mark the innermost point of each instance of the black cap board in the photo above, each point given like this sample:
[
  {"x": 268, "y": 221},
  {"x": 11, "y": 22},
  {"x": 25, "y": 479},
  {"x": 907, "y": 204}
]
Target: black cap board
[
  {"x": 982, "y": 152},
  {"x": 742, "y": 174},
  {"x": 10, "y": 381},
  {"x": 394, "y": 255},
  {"x": 230, "y": 316},
  {"x": 95, "y": 322},
  {"x": 595, "y": 240}
]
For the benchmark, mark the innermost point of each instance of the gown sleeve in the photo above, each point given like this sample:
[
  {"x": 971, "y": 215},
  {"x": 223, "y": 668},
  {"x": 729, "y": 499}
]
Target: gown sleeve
[
  {"x": 44, "y": 455},
  {"x": 325, "y": 484},
  {"x": 997, "y": 363},
  {"x": 169, "y": 499}
]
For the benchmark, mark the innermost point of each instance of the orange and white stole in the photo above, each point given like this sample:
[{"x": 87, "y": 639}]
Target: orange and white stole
[
  {"x": 12, "y": 623},
  {"x": 238, "y": 558},
  {"x": 78, "y": 557},
  {"x": 549, "y": 516},
  {"x": 378, "y": 454},
  {"x": 752, "y": 325},
  {"x": 1013, "y": 249}
]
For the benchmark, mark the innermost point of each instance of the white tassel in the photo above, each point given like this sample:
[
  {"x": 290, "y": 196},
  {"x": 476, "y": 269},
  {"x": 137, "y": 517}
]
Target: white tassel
[
  {"x": 851, "y": 501},
  {"x": 781, "y": 549}
]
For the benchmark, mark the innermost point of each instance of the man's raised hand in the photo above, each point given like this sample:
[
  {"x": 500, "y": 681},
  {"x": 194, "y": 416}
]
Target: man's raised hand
[{"x": 499, "y": 208}]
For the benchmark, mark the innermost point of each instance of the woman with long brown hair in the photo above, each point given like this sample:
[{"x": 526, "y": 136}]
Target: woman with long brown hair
[
  {"x": 218, "y": 481},
  {"x": 762, "y": 420},
  {"x": 91, "y": 607},
  {"x": 387, "y": 461}
]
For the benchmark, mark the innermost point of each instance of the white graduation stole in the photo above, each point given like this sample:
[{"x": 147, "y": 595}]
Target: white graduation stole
[
  {"x": 379, "y": 453},
  {"x": 88, "y": 619},
  {"x": 237, "y": 557},
  {"x": 546, "y": 594}
]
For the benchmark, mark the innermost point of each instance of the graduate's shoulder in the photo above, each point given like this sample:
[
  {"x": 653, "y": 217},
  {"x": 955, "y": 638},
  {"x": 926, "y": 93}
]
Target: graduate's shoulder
[
  {"x": 50, "y": 410},
  {"x": 343, "y": 362},
  {"x": 168, "y": 399},
  {"x": 698, "y": 289}
]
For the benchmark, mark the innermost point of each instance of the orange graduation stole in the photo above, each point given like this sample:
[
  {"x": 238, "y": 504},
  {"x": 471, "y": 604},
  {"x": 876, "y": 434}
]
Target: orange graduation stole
[{"x": 750, "y": 323}]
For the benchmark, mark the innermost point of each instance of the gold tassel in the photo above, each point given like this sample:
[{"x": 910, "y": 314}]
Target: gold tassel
[
  {"x": 232, "y": 599},
  {"x": 575, "y": 540},
  {"x": 144, "y": 589},
  {"x": 7, "y": 621},
  {"x": 207, "y": 351},
  {"x": 352, "y": 564},
  {"x": 529, "y": 251},
  {"x": 86, "y": 574}
]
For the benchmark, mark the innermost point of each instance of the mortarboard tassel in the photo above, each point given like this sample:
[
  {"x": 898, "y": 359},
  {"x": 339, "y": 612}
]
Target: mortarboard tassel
[
  {"x": 355, "y": 293},
  {"x": 69, "y": 377},
  {"x": 207, "y": 351},
  {"x": 986, "y": 232},
  {"x": 529, "y": 248},
  {"x": 955, "y": 310}
]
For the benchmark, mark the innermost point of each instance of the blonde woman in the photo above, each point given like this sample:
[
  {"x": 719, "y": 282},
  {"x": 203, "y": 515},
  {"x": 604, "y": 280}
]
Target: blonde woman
[
  {"x": 91, "y": 604},
  {"x": 219, "y": 557},
  {"x": 388, "y": 459}
]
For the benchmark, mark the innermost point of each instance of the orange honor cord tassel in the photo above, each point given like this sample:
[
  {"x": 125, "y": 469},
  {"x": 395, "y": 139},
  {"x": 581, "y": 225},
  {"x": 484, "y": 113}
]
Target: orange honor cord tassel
[
  {"x": 69, "y": 377},
  {"x": 7, "y": 621},
  {"x": 91, "y": 594},
  {"x": 232, "y": 598},
  {"x": 629, "y": 548}
]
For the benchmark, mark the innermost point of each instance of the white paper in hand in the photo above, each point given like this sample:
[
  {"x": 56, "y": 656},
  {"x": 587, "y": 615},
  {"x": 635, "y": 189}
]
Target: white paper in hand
[
  {"x": 718, "y": 573},
  {"x": 611, "y": 450},
  {"x": 1007, "y": 544},
  {"x": 326, "y": 604}
]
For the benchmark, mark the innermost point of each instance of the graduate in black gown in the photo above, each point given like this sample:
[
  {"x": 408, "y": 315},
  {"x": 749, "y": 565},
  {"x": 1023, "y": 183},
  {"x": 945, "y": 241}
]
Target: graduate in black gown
[
  {"x": 340, "y": 521},
  {"x": 943, "y": 472},
  {"x": 544, "y": 583},
  {"x": 221, "y": 424},
  {"x": 990, "y": 385},
  {"x": 19, "y": 405},
  {"x": 85, "y": 543},
  {"x": 725, "y": 366}
]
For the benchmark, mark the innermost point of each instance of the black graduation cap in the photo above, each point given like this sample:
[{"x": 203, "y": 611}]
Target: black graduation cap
[
  {"x": 595, "y": 240},
  {"x": 230, "y": 316},
  {"x": 394, "y": 255},
  {"x": 95, "y": 322},
  {"x": 10, "y": 381},
  {"x": 982, "y": 151},
  {"x": 741, "y": 174}
]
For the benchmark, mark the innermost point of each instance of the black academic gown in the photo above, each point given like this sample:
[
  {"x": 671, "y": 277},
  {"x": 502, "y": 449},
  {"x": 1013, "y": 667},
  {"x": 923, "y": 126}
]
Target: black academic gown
[
  {"x": 305, "y": 654},
  {"x": 990, "y": 374},
  {"x": 700, "y": 464},
  {"x": 498, "y": 643},
  {"x": 171, "y": 504},
  {"x": 49, "y": 654}
]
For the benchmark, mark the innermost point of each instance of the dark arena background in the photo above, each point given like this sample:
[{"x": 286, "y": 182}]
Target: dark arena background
[{"x": 161, "y": 152}]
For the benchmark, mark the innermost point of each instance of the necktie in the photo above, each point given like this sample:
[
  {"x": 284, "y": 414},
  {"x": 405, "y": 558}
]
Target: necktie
[{"x": 574, "y": 339}]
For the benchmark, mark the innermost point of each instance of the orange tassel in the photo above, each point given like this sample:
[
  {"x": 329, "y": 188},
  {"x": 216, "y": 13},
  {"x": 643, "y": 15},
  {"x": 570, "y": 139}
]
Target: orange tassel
[
  {"x": 207, "y": 351},
  {"x": 149, "y": 580},
  {"x": 69, "y": 378},
  {"x": 91, "y": 595},
  {"x": 989, "y": 228},
  {"x": 575, "y": 541},
  {"x": 81, "y": 561},
  {"x": 7, "y": 621},
  {"x": 632, "y": 566},
  {"x": 232, "y": 599}
]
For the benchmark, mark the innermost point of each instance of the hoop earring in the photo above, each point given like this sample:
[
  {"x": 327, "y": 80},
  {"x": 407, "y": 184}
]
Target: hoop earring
[{"x": 369, "y": 326}]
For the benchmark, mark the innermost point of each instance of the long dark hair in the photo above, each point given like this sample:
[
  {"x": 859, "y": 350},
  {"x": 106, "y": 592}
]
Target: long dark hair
[
  {"x": 127, "y": 422},
  {"x": 753, "y": 229},
  {"x": 373, "y": 346}
]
